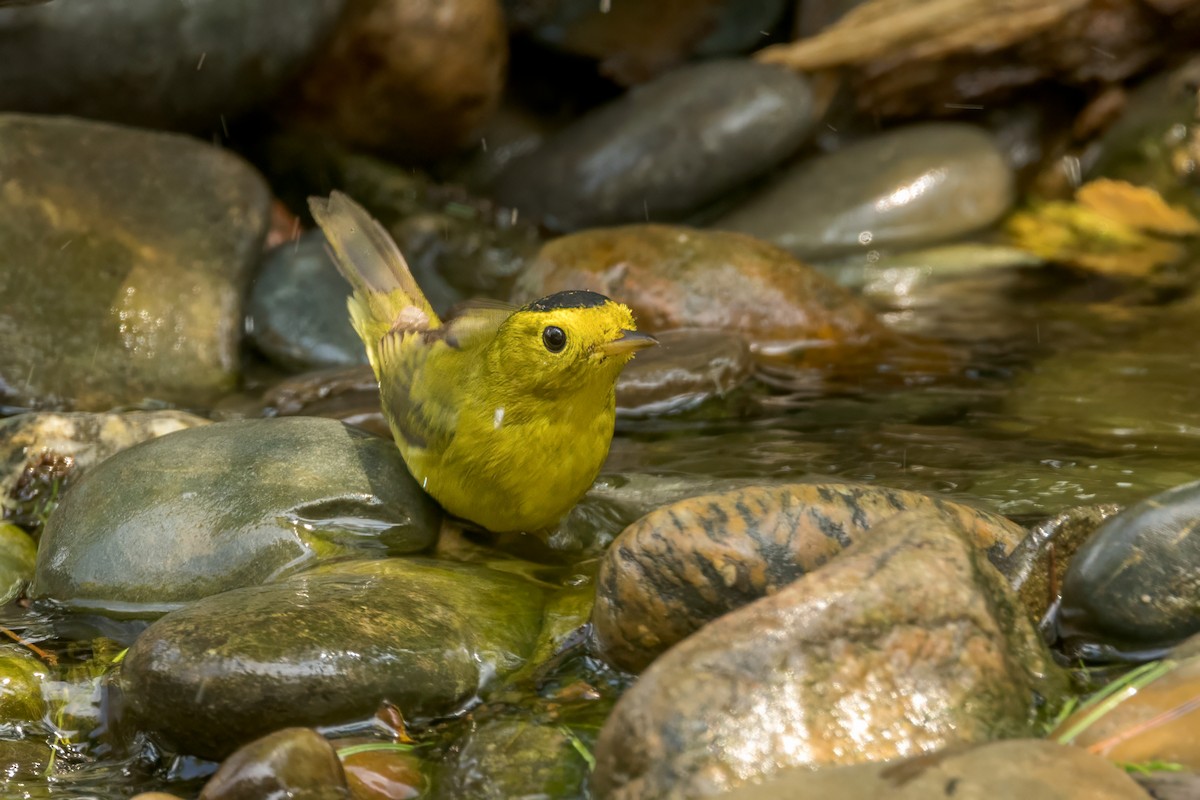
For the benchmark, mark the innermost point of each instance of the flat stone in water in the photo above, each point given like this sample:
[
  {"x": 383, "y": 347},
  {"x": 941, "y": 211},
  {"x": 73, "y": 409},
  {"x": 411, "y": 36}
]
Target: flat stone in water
[
  {"x": 1134, "y": 584},
  {"x": 328, "y": 646},
  {"x": 230, "y": 504},
  {"x": 907, "y": 643},
  {"x": 687, "y": 368},
  {"x": 901, "y": 189},
  {"x": 77, "y": 58},
  {"x": 664, "y": 149},
  {"x": 97, "y": 273},
  {"x": 684, "y": 564},
  {"x": 297, "y": 310}
]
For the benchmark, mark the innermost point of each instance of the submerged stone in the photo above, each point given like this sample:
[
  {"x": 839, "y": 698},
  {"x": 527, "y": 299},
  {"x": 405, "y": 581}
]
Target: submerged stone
[
  {"x": 664, "y": 149},
  {"x": 77, "y": 58},
  {"x": 907, "y": 643},
  {"x": 502, "y": 759},
  {"x": 114, "y": 295},
  {"x": 230, "y": 504},
  {"x": 905, "y": 188},
  {"x": 328, "y": 646},
  {"x": 18, "y": 554}
]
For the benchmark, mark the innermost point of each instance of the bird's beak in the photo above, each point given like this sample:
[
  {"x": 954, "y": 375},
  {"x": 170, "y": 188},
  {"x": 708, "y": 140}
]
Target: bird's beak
[{"x": 627, "y": 342}]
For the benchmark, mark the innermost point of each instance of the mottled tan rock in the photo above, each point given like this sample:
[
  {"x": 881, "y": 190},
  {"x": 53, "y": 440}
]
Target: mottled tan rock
[
  {"x": 907, "y": 643},
  {"x": 1025, "y": 769},
  {"x": 687, "y": 563},
  {"x": 407, "y": 77}
]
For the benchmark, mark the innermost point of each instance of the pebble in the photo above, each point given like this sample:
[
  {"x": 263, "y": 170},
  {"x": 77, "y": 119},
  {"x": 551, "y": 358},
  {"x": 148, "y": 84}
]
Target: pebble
[
  {"x": 906, "y": 188},
  {"x": 665, "y": 148},
  {"x": 297, "y": 310}
]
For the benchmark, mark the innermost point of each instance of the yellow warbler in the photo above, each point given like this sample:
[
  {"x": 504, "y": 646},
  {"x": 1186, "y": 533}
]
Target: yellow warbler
[{"x": 504, "y": 415}]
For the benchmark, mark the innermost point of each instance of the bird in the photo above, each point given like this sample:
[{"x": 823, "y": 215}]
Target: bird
[{"x": 503, "y": 414}]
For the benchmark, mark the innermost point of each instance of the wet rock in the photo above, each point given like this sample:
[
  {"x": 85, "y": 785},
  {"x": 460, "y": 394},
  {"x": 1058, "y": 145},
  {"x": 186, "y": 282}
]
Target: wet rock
[
  {"x": 686, "y": 369},
  {"x": 665, "y": 148},
  {"x": 294, "y": 762},
  {"x": 677, "y": 277},
  {"x": 43, "y": 453},
  {"x": 905, "y": 188},
  {"x": 383, "y": 775},
  {"x": 1035, "y": 569},
  {"x": 297, "y": 311},
  {"x": 17, "y": 556},
  {"x": 21, "y": 678},
  {"x": 82, "y": 247},
  {"x": 1025, "y": 769},
  {"x": 1151, "y": 721},
  {"x": 23, "y": 759},
  {"x": 243, "y": 502},
  {"x": 407, "y": 78},
  {"x": 76, "y": 58},
  {"x": 907, "y": 643},
  {"x": 635, "y": 41},
  {"x": 1134, "y": 583},
  {"x": 505, "y": 758},
  {"x": 1169, "y": 785},
  {"x": 679, "y": 567},
  {"x": 347, "y": 394},
  {"x": 328, "y": 646}
]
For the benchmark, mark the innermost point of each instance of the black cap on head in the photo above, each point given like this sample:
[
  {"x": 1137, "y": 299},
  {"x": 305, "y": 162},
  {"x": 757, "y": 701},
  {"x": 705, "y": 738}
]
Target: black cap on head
[{"x": 572, "y": 298}]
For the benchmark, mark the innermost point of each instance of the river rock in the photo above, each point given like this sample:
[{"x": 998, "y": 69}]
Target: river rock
[
  {"x": 41, "y": 453},
  {"x": 21, "y": 680},
  {"x": 386, "y": 774},
  {"x": 328, "y": 646},
  {"x": 82, "y": 246},
  {"x": 687, "y": 368},
  {"x": 635, "y": 41},
  {"x": 1023, "y": 769},
  {"x": 1151, "y": 721},
  {"x": 18, "y": 554},
  {"x": 89, "y": 60},
  {"x": 507, "y": 758},
  {"x": 676, "y": 277},
  {"x": 679, "y": 567},
  {"x": 905, "y": 188},
  {"x": 297, "y": 310},
  {"x": 907, "y": 643},
  {"x": 1133, "y": 584},
  {"x": 1035, "y": 569},
  {"x": 229, "y": 504},
  {"x": 408, "y": 78},
  {"x": 293, "y": 762},
  {"x": 663, "y": 149}
]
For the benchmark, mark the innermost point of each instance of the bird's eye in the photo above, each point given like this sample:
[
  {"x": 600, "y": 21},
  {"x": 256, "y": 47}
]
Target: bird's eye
[{"x": 554, "y": 338}]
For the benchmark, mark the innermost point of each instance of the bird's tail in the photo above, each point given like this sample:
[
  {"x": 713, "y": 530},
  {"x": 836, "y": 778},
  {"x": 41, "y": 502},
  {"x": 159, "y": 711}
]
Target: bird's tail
[{"x": 386, "y": 297}]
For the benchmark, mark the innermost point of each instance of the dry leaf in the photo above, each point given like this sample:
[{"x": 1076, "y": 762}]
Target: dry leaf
[{"x": 1139, "y": 207}]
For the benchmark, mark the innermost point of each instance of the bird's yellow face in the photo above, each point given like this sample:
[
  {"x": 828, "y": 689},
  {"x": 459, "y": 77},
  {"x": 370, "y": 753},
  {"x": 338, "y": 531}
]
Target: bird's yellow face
[{"x": 567, "y": 342}]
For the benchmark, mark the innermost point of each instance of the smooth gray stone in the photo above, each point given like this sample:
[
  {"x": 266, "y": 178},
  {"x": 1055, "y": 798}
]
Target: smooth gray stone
[
  {"x": 665, "y": 148},
  {"x": 179, "y": 65},
  {"x": 297, "y": 311},
  {"x": 126, "y": 256},
  {"x": 905, "y": 188},
  {"x": 208, "y": 509},
  {"x": 328, "y": 646}
]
